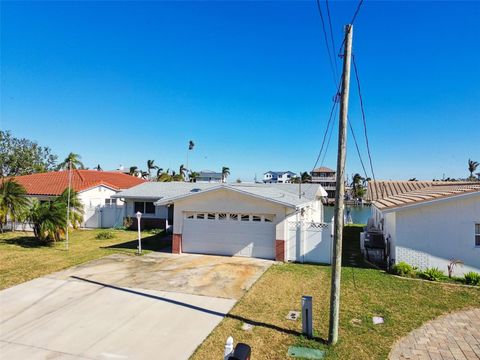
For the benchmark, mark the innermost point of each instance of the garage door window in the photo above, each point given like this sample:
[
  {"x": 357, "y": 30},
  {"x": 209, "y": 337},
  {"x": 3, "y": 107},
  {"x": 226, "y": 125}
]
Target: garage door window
[
  {"x": 200, "y": 216},
  {"x": 234, "y": 217},
  {"x": 268, "y": 218},
  {"x": 222, "y": 216},
  {"x": 245, "y": 217},
  {"x": 211, "y": 216},
  {"x": 256, "y": 218}
]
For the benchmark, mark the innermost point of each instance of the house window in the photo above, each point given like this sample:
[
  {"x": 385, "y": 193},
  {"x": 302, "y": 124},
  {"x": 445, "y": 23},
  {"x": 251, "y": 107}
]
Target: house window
[
  {"x": 144, "y": 207},
  {"x": 110, "y": 201},
  {"x": 477, "y": 234},
  {"x": 149, "y": 208},
  {"x": 245, "y": 218}
]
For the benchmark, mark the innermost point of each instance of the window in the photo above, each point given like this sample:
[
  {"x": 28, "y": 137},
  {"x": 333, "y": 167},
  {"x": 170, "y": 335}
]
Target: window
[
  {"x": 234, "y": 217},
  {"x": 149, "y": 208},
  {"x": 245, "y": 218},
  {"x": 222, "y": 216},
  {"x": 110, "y": 201},
  {"x": 211, "y": 216},
  {"x": 477, "y": 234},
  {"x": 144, "y": 207},
  {"x": 139, "y": 206},
  {"x": 268, "y": 218},
  {"x": 256, "y": 218},
  {"x": 201, "y": 216},
  {"x": 189, "y": 215}
]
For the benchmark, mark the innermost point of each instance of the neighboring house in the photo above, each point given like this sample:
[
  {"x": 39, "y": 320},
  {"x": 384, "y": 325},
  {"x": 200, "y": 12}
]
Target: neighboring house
[
  {"x": 327, "y": 178},
  {"x": 207, "y": 176},
  {"x": 94, "y": 188},
  {"x": 278, "y": 177},
  {"x": 427, "y": 224},
  {"x": 478, "y": 176},
  {"x": 271, "y": 221}
]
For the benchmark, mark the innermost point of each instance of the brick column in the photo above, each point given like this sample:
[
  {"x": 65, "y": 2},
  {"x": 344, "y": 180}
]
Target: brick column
[
  {"x": 280, "y": 250},
  {"x": 177, "y": 244}
]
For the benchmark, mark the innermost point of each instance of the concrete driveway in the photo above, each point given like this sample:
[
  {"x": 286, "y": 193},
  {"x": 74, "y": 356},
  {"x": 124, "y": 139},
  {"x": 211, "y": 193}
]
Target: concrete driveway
[{"x": 158, "y": 306}]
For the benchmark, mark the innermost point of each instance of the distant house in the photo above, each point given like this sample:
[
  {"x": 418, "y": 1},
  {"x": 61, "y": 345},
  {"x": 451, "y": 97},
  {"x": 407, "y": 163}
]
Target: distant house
[
  {"x": 426, "y": 224},
  {"x": 94, "y": 188},
  {"x": 270, "y": 221},
  {"x": 327, "y": 178},
  {"x": 478, "y": 176},
  {"x": 207, "y": 176},
  {"x": 278, "y": 177}
]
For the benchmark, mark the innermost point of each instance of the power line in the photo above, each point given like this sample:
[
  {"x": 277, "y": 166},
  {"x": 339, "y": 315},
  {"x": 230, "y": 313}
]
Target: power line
[
  {"x": 358, "y": 149},
  {"x": 363, "y": 115},
  {"x": 331, "y": 36},
  {"x": 329, "y": 138},
  {"x": 330, "y": 57},
  {"x": 325, "y": 134},
  {"x": 357, "y": 10}
]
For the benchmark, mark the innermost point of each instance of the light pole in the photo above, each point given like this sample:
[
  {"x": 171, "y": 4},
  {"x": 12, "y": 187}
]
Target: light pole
[{"x": 139, "y": 216}]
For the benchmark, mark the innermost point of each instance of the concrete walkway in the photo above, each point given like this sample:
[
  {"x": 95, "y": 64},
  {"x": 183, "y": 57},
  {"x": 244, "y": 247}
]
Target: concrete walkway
[
  {"x": 123, "y": 307},
  {"x": 453, "y": 336}
]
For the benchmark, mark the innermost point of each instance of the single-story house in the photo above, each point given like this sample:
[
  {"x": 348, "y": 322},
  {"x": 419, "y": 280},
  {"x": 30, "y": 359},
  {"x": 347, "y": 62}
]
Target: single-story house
[
  {"x": 209, "y": 176},
  {"x": 271, "y": 221},
  {"x": 95, "y": 189},
  {"x": 427, "y": 224}
]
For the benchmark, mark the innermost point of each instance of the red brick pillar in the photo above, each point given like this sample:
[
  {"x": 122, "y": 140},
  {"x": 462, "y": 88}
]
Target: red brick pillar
[
  {"x": 177, "y": 244},
  {"x": 280, "y": 250}
]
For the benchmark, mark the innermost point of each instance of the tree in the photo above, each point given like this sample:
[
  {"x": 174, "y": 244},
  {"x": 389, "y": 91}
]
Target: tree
[
  {"x": 99, "y": 168},
  {"x": 151, "y": 166},
  {"x": 133, "y": 171},
  {"x": 163, "y": 176},
  {"x": 23, "y": 156},
  {"x": 193, "y": 176},
  {"x": 12, "y": 201},
  {"x": 144, "y": 174},
  {"x": 306, "y": 177},
  {"x": 76, "y": 207},
  {"x": 73, "y": 159},
  {"x": 182, "y": 171},
  {"x": 358, "y": 186},
  {"x": 225, "y": 173},
  {"x": 472, "y": 166}
]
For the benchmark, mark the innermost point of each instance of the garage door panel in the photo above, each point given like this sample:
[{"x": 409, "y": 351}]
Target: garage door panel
[{"x": 226, "y": 237}]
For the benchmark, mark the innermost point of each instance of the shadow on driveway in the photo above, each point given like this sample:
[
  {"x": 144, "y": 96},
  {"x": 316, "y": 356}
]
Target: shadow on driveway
[{"x": 158, "y": 243}]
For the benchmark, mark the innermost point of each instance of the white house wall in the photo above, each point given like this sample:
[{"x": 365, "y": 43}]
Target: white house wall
[
  {"x": 431, "y": 235},
  {"x": 96, "y": 196}
]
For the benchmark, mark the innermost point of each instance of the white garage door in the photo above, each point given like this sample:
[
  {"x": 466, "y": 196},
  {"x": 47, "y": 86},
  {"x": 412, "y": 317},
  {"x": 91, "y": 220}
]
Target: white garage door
[{"x": 250, "y": 235}]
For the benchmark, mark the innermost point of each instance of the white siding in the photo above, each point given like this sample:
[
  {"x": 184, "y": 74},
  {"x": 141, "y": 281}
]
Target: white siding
[{"x": 431, "y": 235}]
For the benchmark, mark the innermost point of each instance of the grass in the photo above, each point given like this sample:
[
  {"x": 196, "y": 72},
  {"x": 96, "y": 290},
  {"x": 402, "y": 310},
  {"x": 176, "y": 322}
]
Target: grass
[
  {"x": 22, "y": 257},
  {"x": 366, "y": 292}
]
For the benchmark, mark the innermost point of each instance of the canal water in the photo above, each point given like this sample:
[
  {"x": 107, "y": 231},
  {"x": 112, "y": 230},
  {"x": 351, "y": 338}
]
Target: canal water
[{"x": 359, "y": 214}]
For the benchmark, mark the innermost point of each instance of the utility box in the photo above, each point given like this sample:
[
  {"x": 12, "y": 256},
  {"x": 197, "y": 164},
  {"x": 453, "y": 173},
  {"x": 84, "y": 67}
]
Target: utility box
[
  {"x": 242, "y": 352},
  {"x": 307, "y": 321}
]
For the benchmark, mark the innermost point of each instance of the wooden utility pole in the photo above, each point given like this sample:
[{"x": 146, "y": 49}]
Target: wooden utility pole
[{"x": 340, "y": 191}]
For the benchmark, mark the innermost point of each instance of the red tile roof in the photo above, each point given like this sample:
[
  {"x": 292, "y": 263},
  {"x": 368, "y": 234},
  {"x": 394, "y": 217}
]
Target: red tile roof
[{"x": 55, "y": 182}]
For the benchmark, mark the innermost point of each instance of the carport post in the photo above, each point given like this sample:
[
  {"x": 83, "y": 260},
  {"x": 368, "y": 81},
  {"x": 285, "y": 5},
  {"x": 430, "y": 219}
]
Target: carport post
[{"x": 139, "y": 216}]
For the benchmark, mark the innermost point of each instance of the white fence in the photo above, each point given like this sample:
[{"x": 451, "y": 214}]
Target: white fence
[
  {"x": 103, "y": 216},
  {"x": 309, "y": 242}
]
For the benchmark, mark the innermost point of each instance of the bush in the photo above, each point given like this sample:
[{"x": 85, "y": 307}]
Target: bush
[
  {"x": 104, "y": 235},
  {"x": 432, "y": 274},
  {"x": 155, "y": 231},
  {"x": 472, "y": 278},
  {"x": 403, "y": 269}
]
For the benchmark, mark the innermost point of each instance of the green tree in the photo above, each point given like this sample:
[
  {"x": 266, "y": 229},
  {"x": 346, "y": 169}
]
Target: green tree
[
  {"x": 19, "y": 156},
  {"x": 133, "y": 170},
  {"x": 12, "y": 201},
  {"x": 472, "y": 166},
  {"x": 76, "y": 207},
  {"x": 151, "y": 166},
  {"x": 306, "y": 177},
  {"x": 73, "y": 159},
  {"x": 182, "y": 171},
  {"x": 49, "y": 220},
  {"x": 225, "y": 173},
  {"x": 193, "y": 176}
]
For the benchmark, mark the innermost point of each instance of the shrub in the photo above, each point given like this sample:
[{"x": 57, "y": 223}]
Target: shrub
[
  {"x": 155, "y": 231},
  {"x": 403, "y": 269},
  {"x": 472, "y": 278},
  {"x": 104, "y": 235},
  {"x": 127, "y": 222},
  {"x": 433, "y": 274}
]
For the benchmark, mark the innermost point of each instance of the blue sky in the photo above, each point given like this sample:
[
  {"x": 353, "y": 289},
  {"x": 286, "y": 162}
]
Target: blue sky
[{"x": 248, "y": 82}]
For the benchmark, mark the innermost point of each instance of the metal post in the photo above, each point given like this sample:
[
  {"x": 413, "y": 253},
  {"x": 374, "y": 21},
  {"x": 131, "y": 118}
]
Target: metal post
[
  {"x": 139, "y": 216},
  {"x": 307, "y": 320},
  {"x": 340, "y": 192},
  {"x": 68, "y": 203}
]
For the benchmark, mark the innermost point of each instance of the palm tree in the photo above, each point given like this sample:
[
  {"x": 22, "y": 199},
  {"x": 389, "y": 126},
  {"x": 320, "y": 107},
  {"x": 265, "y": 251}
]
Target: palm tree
[
  {"x": 48, "y": 220},
  {"x": 472, "y": 166},
  {"x": 306, "y": 177},
  {"x": 145, "y": 175},
  {"x": 73, "y": 159},
  {"x": 150, "y": 166},
  {"x": 193, "y": 176},
  {"x": 12, "y": 201},
  {"x": 182, "y": 171},
  {"x": 76, "y": 207},
  {"x": 133, "y": 171},
  {"x": 99, "y": 168},
  {"x": 225, "y": 173}
]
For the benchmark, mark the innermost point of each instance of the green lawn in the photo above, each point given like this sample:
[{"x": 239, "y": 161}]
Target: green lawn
[
  {"x": 23, "y": 258},
  {"x": 405, "y": 305}
]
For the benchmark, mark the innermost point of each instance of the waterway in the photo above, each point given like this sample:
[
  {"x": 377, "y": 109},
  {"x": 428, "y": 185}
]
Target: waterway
[{"x": 359, "y": 214}]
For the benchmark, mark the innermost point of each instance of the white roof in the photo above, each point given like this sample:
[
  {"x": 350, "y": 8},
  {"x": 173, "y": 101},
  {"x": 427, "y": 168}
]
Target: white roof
[{"x": 167, "y": 192}]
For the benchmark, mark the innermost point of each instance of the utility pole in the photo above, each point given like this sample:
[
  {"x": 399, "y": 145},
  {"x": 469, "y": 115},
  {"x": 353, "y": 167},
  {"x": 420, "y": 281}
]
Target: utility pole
[
  {"x": 68, "y": 202},
  {"x": 340, "y": 191}
]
